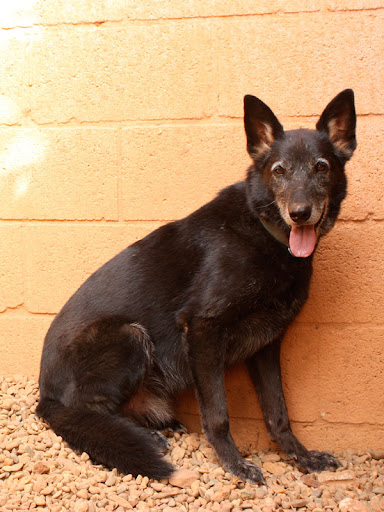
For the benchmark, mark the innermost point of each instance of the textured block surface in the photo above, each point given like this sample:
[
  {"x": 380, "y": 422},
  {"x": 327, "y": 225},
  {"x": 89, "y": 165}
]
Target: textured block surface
[
  {"x": 59, "y": 258},
  {"x": 58, "y": 174},
  {"x": 171, "y": 171},
  {"x": 117, "y": 116},
  {"x": 139, "y": 71},
  {"x": 301, "y": 56},
  {"x": 11, "y": 266}
]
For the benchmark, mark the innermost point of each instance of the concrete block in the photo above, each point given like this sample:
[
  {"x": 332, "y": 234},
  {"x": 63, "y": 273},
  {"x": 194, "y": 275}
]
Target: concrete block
[
  {"x": 339, "y": 436},
  {"x": 365, "y": 177},
  {"x": 298, "y": 63},
  {"x": 170, "y": 171},
  {"x": 59, "y": 173},
  {"x": 11, "y": 266},
  {"x": 60, "y": 257},
  {"x": 300, "y": 367},
  {"x": 347, "y": 285},
  {"x": 351, "y": 365},
  {"x": 354, "y": 5},
  {"x": 142, "y": 71},
  {"x": 14, "y": 75},
  {"x": 21, "y": 341},
  {"x": 51, "y": 12}
]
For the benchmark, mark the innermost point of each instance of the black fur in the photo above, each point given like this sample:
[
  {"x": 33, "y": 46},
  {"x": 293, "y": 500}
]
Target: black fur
[{"x": 196, "y": 296}]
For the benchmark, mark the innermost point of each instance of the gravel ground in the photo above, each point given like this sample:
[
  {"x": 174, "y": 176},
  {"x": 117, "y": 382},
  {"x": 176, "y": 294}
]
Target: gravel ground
[{"x": 38, "y": 471}]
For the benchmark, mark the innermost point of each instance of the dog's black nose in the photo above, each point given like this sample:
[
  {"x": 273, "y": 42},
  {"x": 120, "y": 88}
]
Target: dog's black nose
[{"x": 300, "y": 212}]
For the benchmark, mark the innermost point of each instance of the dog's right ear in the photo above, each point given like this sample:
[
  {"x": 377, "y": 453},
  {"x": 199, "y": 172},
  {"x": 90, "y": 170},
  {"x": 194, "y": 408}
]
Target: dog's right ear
[{"x": 261, "y": 126}]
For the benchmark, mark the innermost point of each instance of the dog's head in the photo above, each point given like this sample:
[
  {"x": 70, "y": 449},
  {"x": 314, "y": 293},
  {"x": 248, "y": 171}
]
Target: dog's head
[{"x": 297, "y": 180}]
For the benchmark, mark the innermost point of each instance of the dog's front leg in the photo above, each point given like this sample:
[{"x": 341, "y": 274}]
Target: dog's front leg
[
  {"x": 206, "y": 357},
  {"x": 264, "y": 369}
]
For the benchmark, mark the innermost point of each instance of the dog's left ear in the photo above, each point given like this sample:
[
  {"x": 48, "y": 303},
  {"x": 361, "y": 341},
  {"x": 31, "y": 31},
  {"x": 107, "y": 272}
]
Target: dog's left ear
[
  {"x": 338, "y": 121},
  {"x": 261, "y": 126}
]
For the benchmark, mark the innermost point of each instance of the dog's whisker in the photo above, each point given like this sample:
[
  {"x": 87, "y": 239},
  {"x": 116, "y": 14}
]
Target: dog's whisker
[{"x": 264, "y": 206}]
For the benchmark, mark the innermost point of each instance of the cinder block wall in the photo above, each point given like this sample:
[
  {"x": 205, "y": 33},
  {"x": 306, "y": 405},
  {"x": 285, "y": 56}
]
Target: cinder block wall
[{"x": 118, "y": 116}]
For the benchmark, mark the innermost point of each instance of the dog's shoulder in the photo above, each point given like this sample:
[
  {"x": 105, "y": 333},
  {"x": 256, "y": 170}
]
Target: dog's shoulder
[
  {"x": 214, "y": 228},
  {"x": 226, "y": 219}
]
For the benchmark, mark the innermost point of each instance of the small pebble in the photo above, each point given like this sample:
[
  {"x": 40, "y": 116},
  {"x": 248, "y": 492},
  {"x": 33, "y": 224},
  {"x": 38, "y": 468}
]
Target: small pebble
[
  {"x": 183, "y": 478},
  {"x": 39, "y": 500},
  {"x": 298, "y": 503},
  {"x": 41, "y": 468},
  {"x": 271, "y": 457},
  {"x": 111, "y": 480},
  {"x": 81, "y": 506},
  {"x": 275, "y": 468}
]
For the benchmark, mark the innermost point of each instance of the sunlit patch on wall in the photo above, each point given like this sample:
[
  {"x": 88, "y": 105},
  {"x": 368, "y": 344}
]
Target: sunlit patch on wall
[
  {"x": 21, "y": 185},
  {"x": 9, "y": 110},
  {"x": 25, "y": 148},
  {"x": 18, "y": 13},
  {"x": 20, "y": 158}
]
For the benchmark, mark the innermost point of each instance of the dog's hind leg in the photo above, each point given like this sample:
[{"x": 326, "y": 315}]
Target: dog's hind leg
[
  {"x": 152, "y": 411},
  {"x": 82, "y": 395},
  {"x": 264, "y": 369},
  {"x": 151, "y": 408}
]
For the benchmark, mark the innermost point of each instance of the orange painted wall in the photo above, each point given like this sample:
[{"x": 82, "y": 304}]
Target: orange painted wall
[{"x": 117, "y": 116}]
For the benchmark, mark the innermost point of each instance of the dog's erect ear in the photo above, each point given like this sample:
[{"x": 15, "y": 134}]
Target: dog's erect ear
[
  {"x": 261, "y": 126},
  {"x": 338, "y": 121}
]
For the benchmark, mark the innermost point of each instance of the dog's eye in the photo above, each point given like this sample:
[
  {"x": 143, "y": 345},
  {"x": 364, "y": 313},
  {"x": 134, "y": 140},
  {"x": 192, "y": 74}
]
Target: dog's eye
[
  {"x": 321, "y": 166},
  {"x": 278, "y": 169}
]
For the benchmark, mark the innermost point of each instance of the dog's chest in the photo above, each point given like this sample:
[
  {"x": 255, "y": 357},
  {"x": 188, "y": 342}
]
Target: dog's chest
[{"x": 265, "y": 316}]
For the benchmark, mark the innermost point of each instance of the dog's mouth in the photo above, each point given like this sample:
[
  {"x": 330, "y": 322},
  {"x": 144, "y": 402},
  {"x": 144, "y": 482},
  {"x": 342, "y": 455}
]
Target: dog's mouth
[{"x": 303, "y": 239}]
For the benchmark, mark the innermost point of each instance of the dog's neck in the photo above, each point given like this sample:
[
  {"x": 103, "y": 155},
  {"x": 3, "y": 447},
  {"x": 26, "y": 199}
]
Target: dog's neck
[{"x": 277, "y": 233}]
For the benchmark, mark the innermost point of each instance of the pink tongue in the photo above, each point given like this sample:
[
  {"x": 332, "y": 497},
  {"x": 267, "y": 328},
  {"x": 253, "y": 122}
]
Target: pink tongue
[{"x": 302, "y": 241}]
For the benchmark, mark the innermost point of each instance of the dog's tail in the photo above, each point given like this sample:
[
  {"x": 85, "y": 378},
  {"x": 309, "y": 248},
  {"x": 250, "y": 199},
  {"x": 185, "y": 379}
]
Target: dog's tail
[{"x": 109, "y": 440}]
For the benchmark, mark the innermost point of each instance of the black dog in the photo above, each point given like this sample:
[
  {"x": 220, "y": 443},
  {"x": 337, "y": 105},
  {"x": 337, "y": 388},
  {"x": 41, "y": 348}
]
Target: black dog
[{"x": 196, "y": 296}]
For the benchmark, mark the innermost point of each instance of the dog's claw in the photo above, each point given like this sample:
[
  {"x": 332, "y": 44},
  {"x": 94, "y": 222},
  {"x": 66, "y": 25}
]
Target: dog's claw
[
  {"x": 315, "y": 462},
  {"x": 246, "y": 470}
]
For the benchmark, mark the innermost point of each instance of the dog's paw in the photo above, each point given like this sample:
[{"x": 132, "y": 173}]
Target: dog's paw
[
  {"x": 162, "y": 442},
  {"x": 246, "y": 471},
  {"x": 315, "y": 462},
  {"x": 174, "y": 427}
]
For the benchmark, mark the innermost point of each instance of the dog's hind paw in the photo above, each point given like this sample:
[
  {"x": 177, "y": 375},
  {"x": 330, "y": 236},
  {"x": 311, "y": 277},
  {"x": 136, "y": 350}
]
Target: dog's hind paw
[
  {"x": 246, "y": 471},
  {"x": 161, "y": 441},
  {"x": 315, "y": 462}
]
